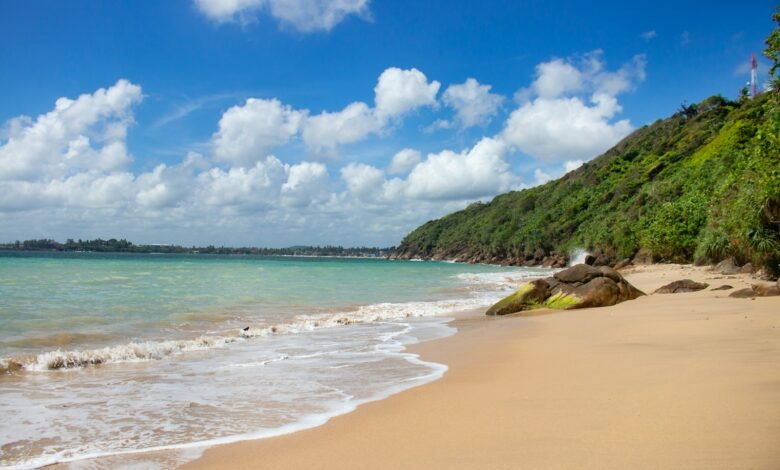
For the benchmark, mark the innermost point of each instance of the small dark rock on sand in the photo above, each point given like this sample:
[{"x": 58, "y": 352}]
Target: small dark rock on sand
[
  {"x": 757, "y": 290},
  {"x": 685, "y": 285}
]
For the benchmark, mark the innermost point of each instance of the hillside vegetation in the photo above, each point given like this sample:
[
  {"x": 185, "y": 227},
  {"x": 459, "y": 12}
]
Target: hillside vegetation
[{"x": 701, "y": 185}]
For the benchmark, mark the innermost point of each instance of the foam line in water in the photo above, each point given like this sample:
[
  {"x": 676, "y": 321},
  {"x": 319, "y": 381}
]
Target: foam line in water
[
  {"x": 156, "y": 350},
  {"x": 394, "y": 348}
]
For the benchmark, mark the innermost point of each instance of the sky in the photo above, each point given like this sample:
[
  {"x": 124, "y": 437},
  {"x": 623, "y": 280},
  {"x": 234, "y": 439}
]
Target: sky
[{"x": 349, "y": 122}]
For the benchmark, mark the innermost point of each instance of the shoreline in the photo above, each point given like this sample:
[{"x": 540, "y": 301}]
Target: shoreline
[{"x": 566, "y": 391}]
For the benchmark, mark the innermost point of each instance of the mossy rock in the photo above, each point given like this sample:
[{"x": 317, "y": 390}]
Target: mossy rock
[
  {"x": 528, "y": 296},
  {"x": 562, "y": 301}
]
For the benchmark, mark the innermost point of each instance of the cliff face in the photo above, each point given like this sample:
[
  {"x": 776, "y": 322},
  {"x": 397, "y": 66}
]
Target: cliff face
[{"x": 701, "y": 185}]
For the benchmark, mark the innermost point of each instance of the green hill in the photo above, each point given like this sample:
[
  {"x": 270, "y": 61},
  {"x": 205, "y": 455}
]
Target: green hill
[{"x": 701, "y": 185}]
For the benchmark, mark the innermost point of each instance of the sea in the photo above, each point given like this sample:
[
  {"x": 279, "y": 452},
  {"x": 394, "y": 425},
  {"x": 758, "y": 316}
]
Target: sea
[{"x": 108, "y": 355}]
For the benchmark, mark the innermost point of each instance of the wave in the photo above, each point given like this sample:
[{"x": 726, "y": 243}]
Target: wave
[
  {"x": 141, "y": 351},
  {"x": 577, "y": 256},
  {"x": 503, "y": 280}
]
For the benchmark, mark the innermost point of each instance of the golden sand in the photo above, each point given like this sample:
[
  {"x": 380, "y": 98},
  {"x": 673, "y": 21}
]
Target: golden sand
[{"x": 663, "y": 382}]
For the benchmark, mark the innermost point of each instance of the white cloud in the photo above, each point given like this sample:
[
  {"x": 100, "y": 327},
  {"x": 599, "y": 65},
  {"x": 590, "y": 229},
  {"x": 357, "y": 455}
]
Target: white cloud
[
  {"x": 478, "y": 172},
  {"x": 66, "y": 174},
  {"x": 325, "y": 131},
  {"x": 399, "y": 91},
  {"x": 77, "y": 135},
  {"x": 648, "y": 35},
  {"x": 308, "y": 183},
  {"x": 572, "y": 165},
  {"x": 364, "y": 181},
  {"x": 565, "y": 128},
  {"x": 540, "y": 177},
  {"x": 473, "y": 103},
  {"x": 570, "y": 109},
  {"x": 249, "y": 132},
  {"x": 316, "y": 15},
  {"x": 404, "y": 161},
  {"x": 556, "y": 78},
  {"x": 302, "y": 15},
  {"x": 437, "y": 125}
]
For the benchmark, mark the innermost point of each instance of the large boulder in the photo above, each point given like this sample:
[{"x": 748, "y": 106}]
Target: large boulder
[
  {"x": 578, "y": 273},
  {"x": 528, "y": 296},
  {"x": 685, "y": 285},
  {"x": 580, "y": 286}
]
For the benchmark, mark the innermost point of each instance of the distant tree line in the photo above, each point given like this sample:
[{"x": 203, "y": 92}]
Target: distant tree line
[{"x": 123, "y": 246}]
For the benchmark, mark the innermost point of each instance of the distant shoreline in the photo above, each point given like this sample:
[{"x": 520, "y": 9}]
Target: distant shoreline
[{"x": 114, "y": 245}]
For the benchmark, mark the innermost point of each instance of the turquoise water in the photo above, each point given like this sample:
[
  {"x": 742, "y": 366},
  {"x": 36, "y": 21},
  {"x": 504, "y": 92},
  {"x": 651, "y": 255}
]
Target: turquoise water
[{"x": 106, "y": 354}]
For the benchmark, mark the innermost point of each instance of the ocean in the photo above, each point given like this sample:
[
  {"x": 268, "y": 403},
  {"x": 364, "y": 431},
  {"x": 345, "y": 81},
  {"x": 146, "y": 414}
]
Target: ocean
[{"x": 110, "y": 354}]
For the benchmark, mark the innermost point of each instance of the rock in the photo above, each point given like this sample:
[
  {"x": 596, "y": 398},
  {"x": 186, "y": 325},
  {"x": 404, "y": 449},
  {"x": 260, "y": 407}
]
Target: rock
[
  {"x": 763, "y": 290},
  {"x": 643, "y": 256},
  {"x": 745, "y": 293},
  {"x": 723, "y": 287},
  {"x": 622, "y": 264},
  {"x": 747, "y": 269},
  {"x": 578, "y": 273},
  {"x": 528, "y": 296},
  {"x": 606, "y": 271},
  {"x": 685, "y": 285},
  {"x": 727, "y": 266},
  {"x": 600, "y": 292},
  {"x": 580, "y": 286},
  {"x": 590, "y": 259}
]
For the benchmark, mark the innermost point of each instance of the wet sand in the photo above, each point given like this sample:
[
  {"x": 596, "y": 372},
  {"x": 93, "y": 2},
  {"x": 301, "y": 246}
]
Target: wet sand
[{"x": 666, "y": 381}]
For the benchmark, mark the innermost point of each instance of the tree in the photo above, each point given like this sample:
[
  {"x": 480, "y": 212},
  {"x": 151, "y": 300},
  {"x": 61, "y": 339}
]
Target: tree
[{"x": 772, "y": 51}]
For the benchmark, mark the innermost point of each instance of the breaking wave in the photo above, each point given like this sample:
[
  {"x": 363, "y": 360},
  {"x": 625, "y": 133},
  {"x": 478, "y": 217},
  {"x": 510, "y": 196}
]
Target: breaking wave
[{"x": 140, "y": 351}]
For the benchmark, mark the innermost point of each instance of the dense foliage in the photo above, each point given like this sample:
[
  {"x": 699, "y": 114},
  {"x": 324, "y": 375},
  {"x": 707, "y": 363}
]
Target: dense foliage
[{"x": 703, "y": 184}]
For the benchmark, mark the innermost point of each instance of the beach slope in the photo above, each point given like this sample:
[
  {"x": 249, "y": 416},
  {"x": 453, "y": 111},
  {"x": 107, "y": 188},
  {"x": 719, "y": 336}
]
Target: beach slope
[{"x": 665, "y": 381}]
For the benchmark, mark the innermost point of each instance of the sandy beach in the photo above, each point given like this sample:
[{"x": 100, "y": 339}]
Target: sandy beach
[{"x": 665, "y": 381}]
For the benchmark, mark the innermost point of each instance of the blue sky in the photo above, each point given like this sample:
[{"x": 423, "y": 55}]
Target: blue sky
[{"x": 279, "y": 122}]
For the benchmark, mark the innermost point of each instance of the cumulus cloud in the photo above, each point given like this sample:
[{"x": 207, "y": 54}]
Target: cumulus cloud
[
  {"x": 247, "y": 133},
  {"x": 471, "y": 174},
  {"x": 473, "y": 103},
  {"x": 325, "y": 131},
  {"x": 303, "y": 15},
  {"x": 572, "y": 165},
  {"x": 571, "y": 108},
  {"x": 399, "y": 91},
  {"x": 364, "y": 181},
  {"x": 404, "y": 161},
  {"x": 648, "y": 35},
  {"x": 84, "y": 134},
  {"x": 66, "y": 173},
  {"x": 540, "y": 177},
  {"x": 474, "y": 173}
]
